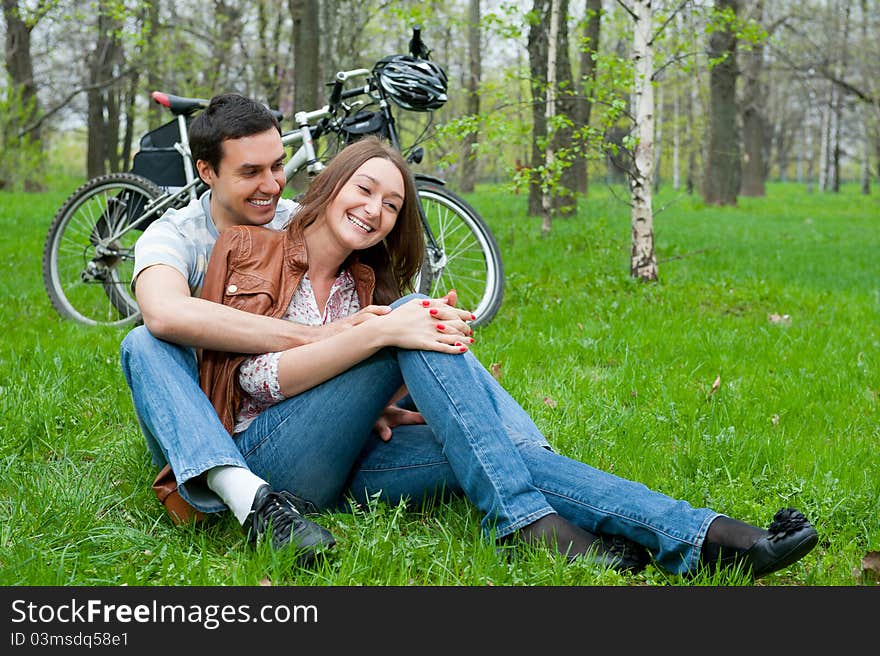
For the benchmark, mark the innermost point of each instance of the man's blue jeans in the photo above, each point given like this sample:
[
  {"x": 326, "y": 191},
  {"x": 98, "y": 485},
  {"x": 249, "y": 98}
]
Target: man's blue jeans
[{"x": 320, "y": 446}]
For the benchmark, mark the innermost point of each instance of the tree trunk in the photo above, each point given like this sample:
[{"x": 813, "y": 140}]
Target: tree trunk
[
  {"x": 824, "y": 139},
  {"x": 754, "y": 124},
  {"x": 564, "y": 198},
  {"x": 129, "y": 112},
  {"x": 643, "y": 262},
  {"x": 20, "y": 65},
  {"x": 838, "y": 105},
  {"x": 469, "y": 159},
  {"x": 691, "y": 182},
  {"x": 228, "y": 27},
  {"x": 152, "y": 60},
  {"x": 583, "y": 105},
  {"x": 722, "y": 179},
  {"x": 537, "y": 47},
  {"x": 866, "y": 119},
  {"x": 20, "y": 68},
  {"x": 676, "y": 142},
  {"x": 103, "y": 120},
  {"x": 306, "y": 46},
  {"x": 561, "y": 194},
  {"x": 692, "y": 142},
  {"x": 658, "y": 137},
  {"x": 550, "y": 112},
  {"x": 267, "y": 74}
]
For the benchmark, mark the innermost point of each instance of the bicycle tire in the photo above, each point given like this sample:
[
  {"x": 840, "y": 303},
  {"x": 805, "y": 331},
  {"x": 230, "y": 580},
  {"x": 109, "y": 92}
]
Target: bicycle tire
[
  {"x": 82, "y": 283},
  {"x": 471, "y": 260}
]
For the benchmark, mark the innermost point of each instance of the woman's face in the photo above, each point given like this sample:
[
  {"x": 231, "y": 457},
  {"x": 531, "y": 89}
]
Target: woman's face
[{"x": 366, "y": 207}]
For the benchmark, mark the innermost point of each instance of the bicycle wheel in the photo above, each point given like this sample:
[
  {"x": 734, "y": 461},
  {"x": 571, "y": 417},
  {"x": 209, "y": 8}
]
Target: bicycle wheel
[
  {"x": 467, "y": 257},
  {"x": 88, "y": 257}
]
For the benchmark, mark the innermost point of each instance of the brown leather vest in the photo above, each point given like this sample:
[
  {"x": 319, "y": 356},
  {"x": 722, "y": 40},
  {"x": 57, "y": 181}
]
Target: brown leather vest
[{"x": 255, "y": 270}]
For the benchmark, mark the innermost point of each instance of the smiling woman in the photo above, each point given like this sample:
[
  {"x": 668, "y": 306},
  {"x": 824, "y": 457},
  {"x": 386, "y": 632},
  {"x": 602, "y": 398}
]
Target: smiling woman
[
  {"x": 396, "y": 407},
  {"x": 361, "y": 215}
]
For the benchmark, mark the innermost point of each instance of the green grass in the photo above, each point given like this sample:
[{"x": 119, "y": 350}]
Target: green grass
[{"x": 617, "y": 373}]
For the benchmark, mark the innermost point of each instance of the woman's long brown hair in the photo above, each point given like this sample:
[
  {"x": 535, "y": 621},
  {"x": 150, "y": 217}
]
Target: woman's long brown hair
[{"x": 395, "y": 260}]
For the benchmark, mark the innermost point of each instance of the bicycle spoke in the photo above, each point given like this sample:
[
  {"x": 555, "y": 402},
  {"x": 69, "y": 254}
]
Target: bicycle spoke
[{"x": 88, "y": 258}]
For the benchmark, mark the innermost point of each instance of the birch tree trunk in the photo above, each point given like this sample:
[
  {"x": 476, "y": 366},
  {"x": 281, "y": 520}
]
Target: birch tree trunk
[
  {"x": 549, "y": 113},
  {"x": 676, "y": 143},
  {"x": 643, "y": 262}
]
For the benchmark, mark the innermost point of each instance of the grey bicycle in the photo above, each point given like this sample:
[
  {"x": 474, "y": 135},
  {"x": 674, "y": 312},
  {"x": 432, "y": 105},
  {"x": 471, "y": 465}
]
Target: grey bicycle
[{"x": 88, "y": 257}]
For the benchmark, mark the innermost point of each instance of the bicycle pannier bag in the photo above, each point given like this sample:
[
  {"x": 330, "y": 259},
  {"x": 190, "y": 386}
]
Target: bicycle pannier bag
[
  {"x": 165, "y": 487},
  {"x": 364, "y": 123},
  {"x": 157, "y": 160}
]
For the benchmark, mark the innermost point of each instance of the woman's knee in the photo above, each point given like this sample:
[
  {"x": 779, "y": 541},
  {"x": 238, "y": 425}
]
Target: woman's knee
[{"x": 405, "y": 299}]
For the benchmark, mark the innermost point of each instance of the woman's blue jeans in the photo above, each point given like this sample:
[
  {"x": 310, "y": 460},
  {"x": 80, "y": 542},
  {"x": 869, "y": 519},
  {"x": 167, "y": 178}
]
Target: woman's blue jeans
[{"x": 320, "y": 446}]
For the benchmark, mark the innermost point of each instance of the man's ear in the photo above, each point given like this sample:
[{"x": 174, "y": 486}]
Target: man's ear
[{"x": 205, "y": 171}]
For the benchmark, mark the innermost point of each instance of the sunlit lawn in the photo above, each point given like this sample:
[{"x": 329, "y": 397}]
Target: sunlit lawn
[{"x": 747, "y": 379}]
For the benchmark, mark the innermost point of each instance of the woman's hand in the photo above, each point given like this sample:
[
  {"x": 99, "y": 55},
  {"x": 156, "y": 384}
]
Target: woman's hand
[
  {"x": 428, "y": 324},
  {"x": 394, "y": 416}
]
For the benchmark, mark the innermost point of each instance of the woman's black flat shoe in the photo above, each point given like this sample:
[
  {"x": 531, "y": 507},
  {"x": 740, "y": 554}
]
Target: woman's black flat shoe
[
  {"x": 624, "y": 555},
  {"x": 791, "y": 537}
]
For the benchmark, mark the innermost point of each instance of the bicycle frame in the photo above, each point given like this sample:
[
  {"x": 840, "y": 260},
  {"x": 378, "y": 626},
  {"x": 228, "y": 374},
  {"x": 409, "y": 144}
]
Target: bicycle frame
[{"x": 304, "y": 157}]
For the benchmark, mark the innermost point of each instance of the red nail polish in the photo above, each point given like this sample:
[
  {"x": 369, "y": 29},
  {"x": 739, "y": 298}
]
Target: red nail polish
[
  {"x": 440, "y": 326},
  {"x": 458, "y": 344},
  {"x": 473, "y": 316},
  {"x": 463, "y": 349},
  {"x": 426, "y": 303},
  {"x": 473, "y": 340},
  {"x": 434, "y": 310}
]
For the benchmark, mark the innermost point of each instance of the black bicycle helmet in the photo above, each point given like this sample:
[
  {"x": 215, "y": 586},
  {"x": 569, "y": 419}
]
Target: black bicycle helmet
[{"x": 418, "y": 85}]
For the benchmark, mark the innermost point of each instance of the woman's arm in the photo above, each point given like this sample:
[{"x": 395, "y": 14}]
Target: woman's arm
[
  {"x": 172, "y": 314},
  {"x": 410, "y": 326}
]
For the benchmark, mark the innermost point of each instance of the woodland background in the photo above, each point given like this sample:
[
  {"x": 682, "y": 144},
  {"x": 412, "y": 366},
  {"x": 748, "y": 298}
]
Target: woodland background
[{"x": 712, "y": 98}]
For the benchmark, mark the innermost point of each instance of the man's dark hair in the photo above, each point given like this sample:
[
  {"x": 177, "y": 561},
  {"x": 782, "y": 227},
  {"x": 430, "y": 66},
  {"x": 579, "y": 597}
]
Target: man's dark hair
[{"x": 228, "y": 116}]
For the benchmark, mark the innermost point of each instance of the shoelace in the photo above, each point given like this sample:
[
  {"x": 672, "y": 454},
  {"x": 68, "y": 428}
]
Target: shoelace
[{"x": 280, "y": 513}]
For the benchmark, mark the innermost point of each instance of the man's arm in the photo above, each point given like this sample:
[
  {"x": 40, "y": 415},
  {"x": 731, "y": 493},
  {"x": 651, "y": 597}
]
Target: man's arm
[{"x": 170, "y": 313}]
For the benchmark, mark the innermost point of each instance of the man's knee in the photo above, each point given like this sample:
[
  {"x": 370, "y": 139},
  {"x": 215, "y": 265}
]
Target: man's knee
[
  {"x": 136, "y": 340},
  {"x": 141, "y": 349}
]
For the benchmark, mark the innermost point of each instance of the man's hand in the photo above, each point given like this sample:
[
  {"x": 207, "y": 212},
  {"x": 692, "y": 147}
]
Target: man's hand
[{"x": 395, "y": 416}]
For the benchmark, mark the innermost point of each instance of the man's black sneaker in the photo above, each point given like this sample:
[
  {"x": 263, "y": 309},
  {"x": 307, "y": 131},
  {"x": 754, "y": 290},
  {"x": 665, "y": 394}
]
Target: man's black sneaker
[{"x": 276, "y": 513}]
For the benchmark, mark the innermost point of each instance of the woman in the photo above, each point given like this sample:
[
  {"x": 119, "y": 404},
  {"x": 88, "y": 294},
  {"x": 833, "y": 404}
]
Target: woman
[{"x": 307, "y": 419}]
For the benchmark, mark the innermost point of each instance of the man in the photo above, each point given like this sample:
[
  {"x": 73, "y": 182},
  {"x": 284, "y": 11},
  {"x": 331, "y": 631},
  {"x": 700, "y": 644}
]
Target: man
[{"x": 236, "y": 144}]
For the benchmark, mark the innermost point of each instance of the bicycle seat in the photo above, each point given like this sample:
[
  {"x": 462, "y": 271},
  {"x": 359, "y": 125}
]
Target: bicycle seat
[
  {"x": 178, "y": 104},
  {"x": 188, "y": 106}
]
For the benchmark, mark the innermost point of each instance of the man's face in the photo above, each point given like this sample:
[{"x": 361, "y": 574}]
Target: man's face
[{"x": 248, "y": 183}]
